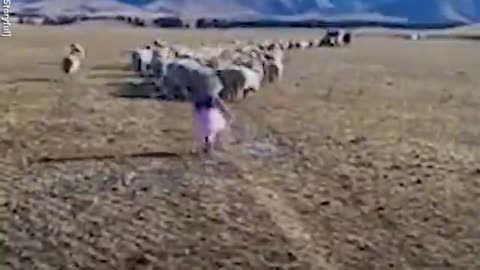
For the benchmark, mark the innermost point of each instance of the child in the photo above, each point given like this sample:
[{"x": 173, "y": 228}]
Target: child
[{"x": 209, "y": 121}]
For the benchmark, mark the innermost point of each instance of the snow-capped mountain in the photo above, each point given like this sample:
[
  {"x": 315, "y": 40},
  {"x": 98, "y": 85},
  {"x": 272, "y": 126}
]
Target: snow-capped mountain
[{"x": 414, "y": 11}]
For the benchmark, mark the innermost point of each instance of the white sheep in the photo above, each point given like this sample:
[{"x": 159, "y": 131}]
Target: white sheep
[
  {"x": 165, "y": 52},
  {"x": 77, "y": 49},
  {"x": 160, "y": 44},
  {"x": 303, "y": 44},
  {"x": 273, "y": 70},
  {"x": 209, "y": 52},
  {"x": 337, "y": 38},
  {"x": 255, "y": 76},
  {"x": 142, "y": 60},
  {"x": 292, "y": 44},
  {"x": 71, "y": 63},
  {"x": 234, "y": 82},
  {"x": 182, "y": 76},
  {"x": 246, "y": 74}
]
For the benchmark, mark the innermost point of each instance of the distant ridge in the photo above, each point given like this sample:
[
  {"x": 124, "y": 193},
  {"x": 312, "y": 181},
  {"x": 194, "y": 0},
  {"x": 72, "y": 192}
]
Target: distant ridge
[
  {"x": 412, "y": 11},
  {"x": 420, "y": 14}
]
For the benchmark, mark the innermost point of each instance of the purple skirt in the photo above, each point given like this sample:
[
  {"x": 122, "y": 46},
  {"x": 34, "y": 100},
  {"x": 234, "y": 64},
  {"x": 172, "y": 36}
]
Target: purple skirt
[{"x": 208, "y": 122}]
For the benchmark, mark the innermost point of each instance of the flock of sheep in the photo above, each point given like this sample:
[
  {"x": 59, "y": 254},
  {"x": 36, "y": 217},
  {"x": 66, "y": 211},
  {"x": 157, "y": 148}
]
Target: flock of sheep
[{"x": 231, "y": 71}]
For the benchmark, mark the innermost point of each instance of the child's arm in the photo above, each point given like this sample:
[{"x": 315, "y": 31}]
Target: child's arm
[{"x": 224, "y": 109}]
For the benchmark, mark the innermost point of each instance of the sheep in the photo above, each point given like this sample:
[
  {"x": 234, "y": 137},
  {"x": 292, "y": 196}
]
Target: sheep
[
  {"x": 238, "y": 81},
  {"x": 142, "y": 60},
  {"x": 276, "y": 54},
  {"x": 233, "y": 81},
  {"x": 182, "y": 51},
  {"x": 336, "y": 38},
  {"x": 273, "y": 68},
  {"x": 258, "y": 59},
  {"x": 77, "y": 49},
  {"x": 227, "y": 55},
  {"x": 158, "y": 64},
  {"x": 282, "y": 46},
  {"x": 243, "y": 59},
  {"x": 188, "y": 75},
  {"x": 185, "y": 54},
  {"x": 347, "y": 38},
  {"x": 70, "y": 66},
  {"x": 165, "y": 53},
  {"x": 209, "y": 52},
  {"x": 291, "y": 44},
  {"x": 236, "y": 42},
  {"x": 71, "y": 63},
  {"x": 273, "y": 46},
  {"x": 136, "y": 61},
  {"x": 414, "y": 36},
  {"x": 159, "y": 44},
  {"x": 328, "y": 40},
  {"x": 219, "y": 62},
  {"x": 246, "y": 74},
  {"x": 303, "y": 44},
  {"x": 255, "y": 76}
]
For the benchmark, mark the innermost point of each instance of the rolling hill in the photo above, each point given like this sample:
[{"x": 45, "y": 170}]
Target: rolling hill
[{"x": 413, "y": 11}]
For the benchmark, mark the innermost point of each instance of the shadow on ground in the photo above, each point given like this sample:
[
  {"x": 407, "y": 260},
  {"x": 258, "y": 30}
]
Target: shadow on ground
[
  {"x": 139, "y": 90},
  {"x": 111, "y": 76},
  {"x": 111, "y": 68},
  {"x": 33, "y": 79},
  {"x": 131, "y": 89}
]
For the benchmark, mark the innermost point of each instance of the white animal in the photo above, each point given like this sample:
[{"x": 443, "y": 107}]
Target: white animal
[
  {"x": 255, "y": 74},
  {"x": 241, "y": 79},
  {"x": 165, "y": 52},
  {"x": 303, "y": 44},
  {"x": 159, "y": 44},
  {"x": 71, "y": 63},
  {"x": 273, "y": 70},
  {"x": 234, "y": 82},
  {"x": 184, "y": 78},
  {"x": 338, "y": 38},
  {"x": 209, "y": 52},
  {"x": 77, "y": 49},
  {"x": 142, "y": 60}
]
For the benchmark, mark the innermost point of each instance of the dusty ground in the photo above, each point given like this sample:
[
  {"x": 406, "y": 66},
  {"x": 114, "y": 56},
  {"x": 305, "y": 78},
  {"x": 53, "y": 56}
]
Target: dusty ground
[{"x": 363, "y": 158}]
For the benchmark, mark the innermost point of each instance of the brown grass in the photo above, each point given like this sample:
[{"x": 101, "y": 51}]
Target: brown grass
[{"x": 362, "y": 158}]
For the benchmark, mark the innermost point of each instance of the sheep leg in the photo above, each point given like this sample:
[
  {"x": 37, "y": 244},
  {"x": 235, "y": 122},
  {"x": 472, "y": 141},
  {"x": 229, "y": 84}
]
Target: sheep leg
[
  {"x": 156, "y": 92},
  {"x": 229, "y": 91},
  {"x": 183, "y": 95},
  {"x": 247, "y": 92},
  {"x": 238, "y": 93},
  {"x": 159, "y": 88}
]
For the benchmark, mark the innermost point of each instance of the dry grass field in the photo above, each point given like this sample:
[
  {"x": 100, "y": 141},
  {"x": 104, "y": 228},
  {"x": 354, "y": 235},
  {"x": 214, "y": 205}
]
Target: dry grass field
[{"x": 362, "y": 158}]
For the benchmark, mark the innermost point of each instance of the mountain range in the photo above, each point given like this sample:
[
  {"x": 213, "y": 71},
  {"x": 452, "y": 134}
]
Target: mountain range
[{"x": 412, "y": 11}]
